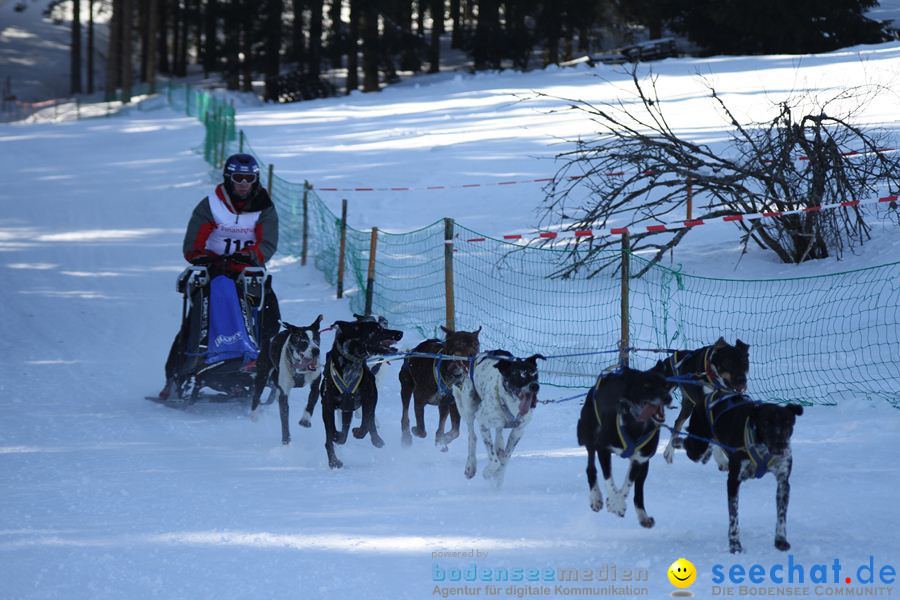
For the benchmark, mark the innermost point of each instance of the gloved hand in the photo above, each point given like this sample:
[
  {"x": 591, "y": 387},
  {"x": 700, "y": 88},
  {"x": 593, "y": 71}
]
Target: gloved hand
[
  {"x": 245, "y": 257},
  {"x": 206, "y": 259}
]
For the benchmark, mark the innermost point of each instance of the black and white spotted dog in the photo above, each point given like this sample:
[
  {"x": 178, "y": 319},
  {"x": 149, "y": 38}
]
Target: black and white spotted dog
[
  {"x": 500, "y": 393},
  {"x": 290, "y": 361},
  {"x": 754, "y": 438},
  {"x": 622, "y": 414},
  {"x": 719, "y": 366}
]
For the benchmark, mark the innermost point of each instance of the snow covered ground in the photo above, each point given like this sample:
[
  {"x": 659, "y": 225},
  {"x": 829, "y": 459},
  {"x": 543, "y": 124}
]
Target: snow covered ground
[{"x": 110, "y": 496}]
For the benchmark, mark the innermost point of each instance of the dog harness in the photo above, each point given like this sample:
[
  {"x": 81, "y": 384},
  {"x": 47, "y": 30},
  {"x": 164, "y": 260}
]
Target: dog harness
[
  {"x": 445, "y": 394},
  {"x": 629, "y": 445},
  {"x": 710, "y": 376},
  {"x": 761, "y": 460},
  {"x": 350, "y": 385}
]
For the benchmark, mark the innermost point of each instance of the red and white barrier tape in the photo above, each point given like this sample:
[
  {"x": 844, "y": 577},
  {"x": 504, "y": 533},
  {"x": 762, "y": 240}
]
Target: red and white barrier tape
[
  {"x": 521, "y": 181},
  {"x": 550, "y": 235},
  {"x": 435, "y": 187}
]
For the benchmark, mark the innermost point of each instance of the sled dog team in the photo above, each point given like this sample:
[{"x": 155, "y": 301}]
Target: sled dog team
[{"x": 622, "y": 413}]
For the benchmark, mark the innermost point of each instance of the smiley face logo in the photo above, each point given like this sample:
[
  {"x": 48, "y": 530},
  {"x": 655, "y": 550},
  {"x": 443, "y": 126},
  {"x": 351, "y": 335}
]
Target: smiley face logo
[{"x": 682, "y": 573}]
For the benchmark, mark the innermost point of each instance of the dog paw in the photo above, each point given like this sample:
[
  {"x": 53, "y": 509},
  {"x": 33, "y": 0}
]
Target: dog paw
[
  {"x": 406, "y": 439},
  {"x": 451, "y": 435},
  {"x": 420, "y": 433},
  {"x": 735, "y": 547},
  {"x": 285, "y": 441},
  {"x": 254, "y": 416},
  {"x": 376, "y": 440},
  {"x": 335, "y": 463},
  {"x": 782, "y": 544},
  {"x": 490, "y": 470},
  {"x": 645, "y": 520},
  {"x": 669, "y": 453},
  {"x": 596, "y": 500},
  {"x": 305, "y": 420},
  {"x": 616, "y": 505},
  {"x": 470, "y": 470},
  {"x": 359, "y": 433}
]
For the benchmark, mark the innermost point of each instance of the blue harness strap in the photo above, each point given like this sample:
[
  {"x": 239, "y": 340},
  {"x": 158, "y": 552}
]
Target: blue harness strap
[
  {"x": 630, "y": 446},
  {"x": 761, "y": 460}
]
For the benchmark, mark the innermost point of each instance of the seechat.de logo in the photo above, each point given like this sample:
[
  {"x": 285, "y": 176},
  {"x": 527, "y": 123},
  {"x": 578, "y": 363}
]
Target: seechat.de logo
[{"x": 682, "y": 574}]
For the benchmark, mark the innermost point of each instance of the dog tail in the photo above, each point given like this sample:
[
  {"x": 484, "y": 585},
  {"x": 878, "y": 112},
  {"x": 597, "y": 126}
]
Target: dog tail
[{"x": 582, "y": 437}]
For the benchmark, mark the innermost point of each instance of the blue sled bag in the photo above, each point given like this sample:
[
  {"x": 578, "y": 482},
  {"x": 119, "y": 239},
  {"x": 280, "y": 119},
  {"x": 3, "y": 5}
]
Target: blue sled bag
[{"x": 228, "y": 337}]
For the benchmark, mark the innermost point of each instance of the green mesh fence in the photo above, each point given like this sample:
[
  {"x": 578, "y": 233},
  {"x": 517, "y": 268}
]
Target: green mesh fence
[
  {"x": 814, "y": 340},
  {"x": 819, "y": 340}
]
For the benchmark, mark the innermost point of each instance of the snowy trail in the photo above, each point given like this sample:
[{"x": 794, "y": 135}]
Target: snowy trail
[{"x": 110, "y": 496}]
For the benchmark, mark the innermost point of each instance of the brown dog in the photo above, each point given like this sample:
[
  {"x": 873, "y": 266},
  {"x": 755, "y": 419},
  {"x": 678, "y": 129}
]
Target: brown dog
[{"x": 430, "y": 381}]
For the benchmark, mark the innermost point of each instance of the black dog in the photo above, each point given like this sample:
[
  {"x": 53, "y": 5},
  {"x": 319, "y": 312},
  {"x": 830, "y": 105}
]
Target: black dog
[
  {"x": 716, "y": 367},
  {"x": 622, "y": 414},
  {"x": 291, "y": 360},
  {"x": 756, "y": 438},
  {"x": 348, "y": 383},
  {"x": 431, "y": 381}
]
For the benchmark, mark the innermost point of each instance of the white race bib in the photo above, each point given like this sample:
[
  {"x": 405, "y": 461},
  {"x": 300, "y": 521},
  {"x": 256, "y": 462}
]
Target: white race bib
[{"x": 233, "y": 232}]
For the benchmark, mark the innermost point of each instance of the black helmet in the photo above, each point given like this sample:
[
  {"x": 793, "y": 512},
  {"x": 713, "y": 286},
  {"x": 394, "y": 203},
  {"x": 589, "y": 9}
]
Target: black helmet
[{"x": 240, "y": 164}]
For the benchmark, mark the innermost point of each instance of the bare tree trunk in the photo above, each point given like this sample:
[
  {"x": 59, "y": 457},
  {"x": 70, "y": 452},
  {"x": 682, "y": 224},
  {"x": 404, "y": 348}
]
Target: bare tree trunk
[
  {"x": 420, "y": 18},
  {"x": 198, "y": 27},
  {"x": 176, "y": 36},
  {"x": 370, "y": 47},
  {"x": 232, "y": 47},
  {"x": 247, "y": 50},
  {"x": 273, "y": 47},
  {"x": 162, "y": 49},
  {"x": 114, "y": 52},
  {"x": 550, "y": 23},
  {"x": 75, "y": 51},
  {"x": 337, "y": 33},
  {"x": 127, "y": 49},
  {"x": 210, "y": 34},
  {"x": 437, "y": 27},
  {"x": 144, "y": 21},
  {"x": 314, "y": 58},
  {"x": 90, "y": 48},
  {"x": 152, "y": 11},
  {"x": 352, "y": 50},
  {"x": 298, "y": 34},
  {"x": 456, "y": 17},
  {"x": 486, "y": 51},
  {"x": 183, "y": 44}
]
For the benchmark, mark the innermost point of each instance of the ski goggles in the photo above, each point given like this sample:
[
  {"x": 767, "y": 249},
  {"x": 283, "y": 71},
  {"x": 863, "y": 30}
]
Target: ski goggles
[{"x": 243, "y": 177}]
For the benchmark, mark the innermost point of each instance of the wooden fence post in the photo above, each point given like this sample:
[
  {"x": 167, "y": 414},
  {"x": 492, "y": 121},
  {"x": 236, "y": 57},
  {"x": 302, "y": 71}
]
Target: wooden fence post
[
  {"x": 241, "y": 146},
  {"x": 303, "y": 248},
  {"x": 271, "y": 177},
  {"x": 340, "y": 280},
  {"x": 624, "y": 341},
  {"x": 448, "y": 275},
  {"x": 370, "y": 280}
]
